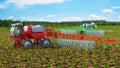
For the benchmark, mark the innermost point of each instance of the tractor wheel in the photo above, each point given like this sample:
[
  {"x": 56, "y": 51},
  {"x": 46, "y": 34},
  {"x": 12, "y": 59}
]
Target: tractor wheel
[
  {"x": 15, "y": 44},
  {"x": 38, "y": 43},
  {"x": 27, "y": 44},
  {"x": 47, "y": 43}
]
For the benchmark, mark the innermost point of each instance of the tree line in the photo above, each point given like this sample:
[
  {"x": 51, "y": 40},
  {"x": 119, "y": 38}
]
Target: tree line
[{"x": 7, "y": 23}]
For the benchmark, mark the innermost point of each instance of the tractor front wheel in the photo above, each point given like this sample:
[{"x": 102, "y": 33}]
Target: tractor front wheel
[
  {"x": 47, "y": 43},
  {"x": 27, "y": 44},
  {"x": 17, "y": 43}
]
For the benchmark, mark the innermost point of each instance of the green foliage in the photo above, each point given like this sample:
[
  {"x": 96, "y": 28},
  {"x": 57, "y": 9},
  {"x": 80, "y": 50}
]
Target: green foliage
[{"x": 7, "y": 23}]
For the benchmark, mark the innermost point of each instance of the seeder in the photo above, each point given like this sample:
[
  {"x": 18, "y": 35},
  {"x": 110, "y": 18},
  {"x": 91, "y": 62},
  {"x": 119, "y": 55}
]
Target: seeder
[
  {"x": 28, "y": 36},
  {"x": 85, "y": 29}
]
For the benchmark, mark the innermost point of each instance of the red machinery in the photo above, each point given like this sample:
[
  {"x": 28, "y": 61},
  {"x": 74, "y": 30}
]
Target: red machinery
[
  {"x": 38, "y": 35},
  {"x": 27, "y": 37}
]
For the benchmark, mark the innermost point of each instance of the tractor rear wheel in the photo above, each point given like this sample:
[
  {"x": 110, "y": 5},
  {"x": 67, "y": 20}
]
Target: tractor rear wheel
[
  {"x": 47, "y": 43},
  {"x": 27, "y": 44}
]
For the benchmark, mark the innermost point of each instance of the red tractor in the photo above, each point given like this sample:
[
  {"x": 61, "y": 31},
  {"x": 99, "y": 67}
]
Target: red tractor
[{"x": 28, "y": 36}]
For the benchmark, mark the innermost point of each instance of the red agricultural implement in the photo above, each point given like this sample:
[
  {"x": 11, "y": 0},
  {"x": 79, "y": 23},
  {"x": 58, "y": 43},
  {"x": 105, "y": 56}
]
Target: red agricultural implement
[{"x": 28, "y": 36}]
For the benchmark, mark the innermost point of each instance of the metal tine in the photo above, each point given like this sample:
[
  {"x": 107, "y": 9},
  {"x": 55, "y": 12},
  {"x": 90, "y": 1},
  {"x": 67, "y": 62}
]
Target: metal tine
[
  {"x": 88, "y": 32},
  {"x": 85, "y": 44},
  {"x": 69, "y": 31},
  {"x": 97, "y": 33}
]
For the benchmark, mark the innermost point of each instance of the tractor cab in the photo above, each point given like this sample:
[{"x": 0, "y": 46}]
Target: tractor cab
[
  {"x": 16, "y": 29},
  {"x": 91, "y": 26}
]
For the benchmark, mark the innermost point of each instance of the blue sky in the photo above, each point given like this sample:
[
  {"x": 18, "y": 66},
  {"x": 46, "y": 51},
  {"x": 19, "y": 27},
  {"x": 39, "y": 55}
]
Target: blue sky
[{"x": 60, "y": 10}]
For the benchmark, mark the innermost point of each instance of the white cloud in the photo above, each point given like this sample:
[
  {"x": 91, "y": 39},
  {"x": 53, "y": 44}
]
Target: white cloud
[
  {"x": 10, "y": 17},
  {"x": 53, "y": 19},
  {"x": 36, "y": 19},
  {"x": 31, "y": 18},
  {"x": 2, "y": 6},
  {"x": 23, "y": 3},
  {"x": 96, "y": 17},
  {"x": 50, "y": 16},
  {"x": 115, "y": 7},
  {"x": 70, "y": 19},
  {"x": 108, "y": 11}
]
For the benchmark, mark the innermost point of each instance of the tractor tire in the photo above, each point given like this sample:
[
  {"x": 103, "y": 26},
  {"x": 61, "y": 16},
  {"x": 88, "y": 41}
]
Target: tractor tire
[
  {"x": 14, "y": 44},
  {"x": 27, "y": 44},
  {"x": 47, "y": 43}
]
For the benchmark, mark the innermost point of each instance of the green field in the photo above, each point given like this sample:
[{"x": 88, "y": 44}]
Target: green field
[{"x": 106, "y": 55}]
